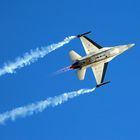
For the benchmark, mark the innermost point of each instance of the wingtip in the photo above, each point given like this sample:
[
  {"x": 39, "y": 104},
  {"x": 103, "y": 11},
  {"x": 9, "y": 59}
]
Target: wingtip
[
  {"x": 83, "y": 34},
  {"x": 97, "y": 86}
]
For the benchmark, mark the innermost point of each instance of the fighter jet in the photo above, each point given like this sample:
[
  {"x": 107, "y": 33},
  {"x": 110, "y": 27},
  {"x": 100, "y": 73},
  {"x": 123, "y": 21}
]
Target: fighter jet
[{"x": 96, "y": 57}]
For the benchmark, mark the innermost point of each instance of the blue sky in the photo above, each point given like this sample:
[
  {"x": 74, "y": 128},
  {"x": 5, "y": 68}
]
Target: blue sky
[{"x": 112, "y": 111}]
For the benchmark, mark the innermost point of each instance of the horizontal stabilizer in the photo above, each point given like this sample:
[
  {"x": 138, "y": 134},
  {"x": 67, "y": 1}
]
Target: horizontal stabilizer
[
  {"x": 74, "y": 56},
  {"x": 81, "y": 73}
]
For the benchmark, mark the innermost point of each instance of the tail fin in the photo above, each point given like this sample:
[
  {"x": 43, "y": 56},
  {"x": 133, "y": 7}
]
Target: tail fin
[
  {"x": 81, "y": 73},
  {"x": 74, "y": 56}
]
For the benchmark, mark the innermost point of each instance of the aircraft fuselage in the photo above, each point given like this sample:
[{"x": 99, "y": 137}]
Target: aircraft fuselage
[{"x": 104, "y": 55}]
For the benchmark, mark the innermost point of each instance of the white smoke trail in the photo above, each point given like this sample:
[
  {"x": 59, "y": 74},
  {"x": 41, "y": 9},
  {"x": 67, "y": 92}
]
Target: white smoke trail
[
  {"x": 41, "y": 105},
  {"x": 32, "y": 56}
]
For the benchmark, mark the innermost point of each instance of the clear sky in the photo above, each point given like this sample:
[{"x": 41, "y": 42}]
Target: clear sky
[{"x": 112, "y": 111}]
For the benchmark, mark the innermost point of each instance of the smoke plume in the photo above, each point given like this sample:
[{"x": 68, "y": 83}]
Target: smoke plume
[
  {"x": 41, "y": 105},
  {"x": 32, "y": 56}
]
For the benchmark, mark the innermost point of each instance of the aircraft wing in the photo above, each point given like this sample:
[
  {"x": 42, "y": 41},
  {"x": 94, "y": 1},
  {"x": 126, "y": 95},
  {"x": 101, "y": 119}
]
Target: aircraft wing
[
  {"x": 99, "y": 72},
  {"x": 89, "y": 45}
]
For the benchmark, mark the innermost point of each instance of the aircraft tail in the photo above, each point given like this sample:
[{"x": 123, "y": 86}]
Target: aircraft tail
[
  {"x": 81, "y": 73},
  {"x": 74, "y": 56}
]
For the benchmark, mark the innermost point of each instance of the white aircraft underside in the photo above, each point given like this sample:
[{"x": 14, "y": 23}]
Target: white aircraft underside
[{"x": 97, "y": 58}]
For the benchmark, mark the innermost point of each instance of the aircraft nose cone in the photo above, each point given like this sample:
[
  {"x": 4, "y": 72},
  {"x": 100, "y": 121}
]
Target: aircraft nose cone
[{"x": 130, "y": 45}]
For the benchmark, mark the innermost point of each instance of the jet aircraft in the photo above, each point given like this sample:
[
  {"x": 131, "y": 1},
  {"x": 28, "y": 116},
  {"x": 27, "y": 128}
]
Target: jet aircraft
[{"x": 97, "y": 57}]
